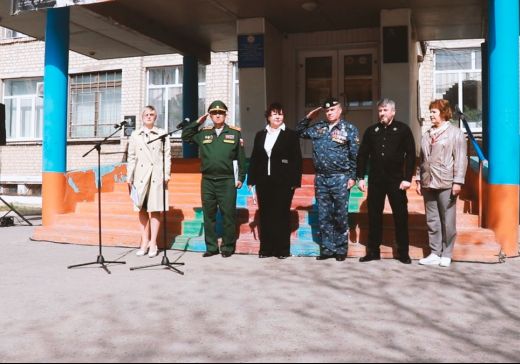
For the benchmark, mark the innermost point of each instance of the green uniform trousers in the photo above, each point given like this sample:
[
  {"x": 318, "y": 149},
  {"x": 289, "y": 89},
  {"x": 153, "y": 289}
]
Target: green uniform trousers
[{"x": 219, "y": 193}]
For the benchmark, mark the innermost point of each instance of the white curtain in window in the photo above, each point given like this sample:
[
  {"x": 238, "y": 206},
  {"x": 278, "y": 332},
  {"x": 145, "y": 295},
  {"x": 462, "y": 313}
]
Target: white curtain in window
[{"x": 109, "y": 110}]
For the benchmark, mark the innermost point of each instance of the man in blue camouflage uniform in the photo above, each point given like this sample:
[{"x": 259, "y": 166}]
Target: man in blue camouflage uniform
[{"x": 335, "y": 143}]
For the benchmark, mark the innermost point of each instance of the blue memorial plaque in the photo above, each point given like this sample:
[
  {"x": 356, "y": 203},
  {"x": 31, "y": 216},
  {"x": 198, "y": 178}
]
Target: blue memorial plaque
[{"x": 251, "y": 51}]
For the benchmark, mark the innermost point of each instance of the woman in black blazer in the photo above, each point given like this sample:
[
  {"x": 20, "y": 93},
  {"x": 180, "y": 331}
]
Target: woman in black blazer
[{"x": 275, "y": 169}]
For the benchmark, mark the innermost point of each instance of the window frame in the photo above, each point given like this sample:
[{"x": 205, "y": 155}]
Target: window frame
[
  {"x": 96, "y": 87},
  {"x": 34, "y": 112},
  {"x": 178, "y": 84},
  {"x": 460, "y": 73}
]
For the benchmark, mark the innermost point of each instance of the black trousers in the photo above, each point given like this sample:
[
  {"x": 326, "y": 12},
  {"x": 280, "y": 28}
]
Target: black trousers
[
  {"x": 274, "y": 202},
  {"x": 377, "y": 192}
]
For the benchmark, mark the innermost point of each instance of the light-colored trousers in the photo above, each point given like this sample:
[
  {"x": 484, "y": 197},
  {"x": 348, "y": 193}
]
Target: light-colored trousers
[{"x": 441, "y": 218}]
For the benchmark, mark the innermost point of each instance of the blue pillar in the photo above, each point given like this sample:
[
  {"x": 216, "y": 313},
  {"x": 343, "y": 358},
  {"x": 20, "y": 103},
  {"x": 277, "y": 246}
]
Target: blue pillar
[
  {"x": 503, "y": 127},
  {"x": 485, "y": 98},
  {"x": 503, "y": 130},
  {"x": 55, "y": 112},
  {"x": 190, "y": 99},
  {"x": 56, "y": 90}
]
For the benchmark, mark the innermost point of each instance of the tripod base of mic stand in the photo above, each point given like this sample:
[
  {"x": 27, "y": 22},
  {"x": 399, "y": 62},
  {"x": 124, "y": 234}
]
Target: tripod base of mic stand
[
  {"x": 100, "y": 260},
  {"x": 11, "y": 208},
  {"x": 165, "y": 262}
]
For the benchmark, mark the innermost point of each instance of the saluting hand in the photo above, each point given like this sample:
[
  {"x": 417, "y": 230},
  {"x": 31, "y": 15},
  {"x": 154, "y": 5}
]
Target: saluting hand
[
  {"x": 313, "y": 113},
  {"x": 203, "y": 118},
  {"x": 351, "y": 183},
  {"x": 362, "y": 185}
]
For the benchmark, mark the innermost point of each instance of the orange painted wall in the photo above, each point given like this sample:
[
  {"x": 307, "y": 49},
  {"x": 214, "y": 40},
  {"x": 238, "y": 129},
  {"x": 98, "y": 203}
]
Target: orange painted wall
[
  {"x": 500, "y": 209},
  {"x": 502, "y": 216}
]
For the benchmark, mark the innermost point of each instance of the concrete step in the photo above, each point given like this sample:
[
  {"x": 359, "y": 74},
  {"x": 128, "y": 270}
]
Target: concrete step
[
  {"x": 471, "y": 244},
  {"x": 185, "y": 227}
]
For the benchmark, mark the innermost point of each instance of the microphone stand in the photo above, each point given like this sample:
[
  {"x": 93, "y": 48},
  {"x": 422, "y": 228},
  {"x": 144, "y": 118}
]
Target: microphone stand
[
  {"x": 165, "y": 261},
  {"x": 100, "y": 259}
]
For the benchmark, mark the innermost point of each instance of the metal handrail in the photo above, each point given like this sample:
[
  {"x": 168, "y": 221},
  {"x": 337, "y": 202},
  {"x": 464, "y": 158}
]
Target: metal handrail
[
  {"x": 482, "y": 159},
  {"x": 477, "y": 148}
]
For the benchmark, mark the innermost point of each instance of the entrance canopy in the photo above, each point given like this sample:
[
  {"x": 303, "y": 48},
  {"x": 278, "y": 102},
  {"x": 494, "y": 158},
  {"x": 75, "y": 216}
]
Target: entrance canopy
[{"x": 125, "y": 28}]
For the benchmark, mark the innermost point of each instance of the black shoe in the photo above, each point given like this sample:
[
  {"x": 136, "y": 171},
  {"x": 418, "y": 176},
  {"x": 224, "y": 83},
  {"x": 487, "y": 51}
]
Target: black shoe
[
  {"x": 226, "y": 254},
  {"x": 341, "y": 257},
  {"x": 209, "y": 254},
  {"x": 369, "y": 257},
  {"x": 405, "y": 260},
  {"x": 283, "y": 256},
  {"x": 323, "y": 257},
  {"x": 264, "y": 256}
]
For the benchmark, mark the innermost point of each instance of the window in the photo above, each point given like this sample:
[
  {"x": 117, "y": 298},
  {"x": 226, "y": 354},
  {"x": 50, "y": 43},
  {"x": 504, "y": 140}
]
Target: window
[
  {"x": 458, "y": 79},
  {"x": 24, "y": 109},
  {"x": 95, "y": 104},
  {"x": 358, "y": 79},
  {"x": 318, "y": 80},
  {"x": 165, "y": 94},
  {"x": 235, "y": 97}
]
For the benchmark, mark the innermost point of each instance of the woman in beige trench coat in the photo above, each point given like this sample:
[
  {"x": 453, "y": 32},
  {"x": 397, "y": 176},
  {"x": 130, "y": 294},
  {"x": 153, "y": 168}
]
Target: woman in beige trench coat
[{"x": 145, "y": 174}]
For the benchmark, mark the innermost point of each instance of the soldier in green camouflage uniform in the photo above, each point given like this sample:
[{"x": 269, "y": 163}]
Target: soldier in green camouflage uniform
[{"x": 219, "y": 145}]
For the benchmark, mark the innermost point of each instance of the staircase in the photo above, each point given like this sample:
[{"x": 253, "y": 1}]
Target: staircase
[{"x": 120, "y": 225}]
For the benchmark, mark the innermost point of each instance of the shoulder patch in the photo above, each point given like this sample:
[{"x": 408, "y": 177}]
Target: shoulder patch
[{"x": 234, "y": 128}]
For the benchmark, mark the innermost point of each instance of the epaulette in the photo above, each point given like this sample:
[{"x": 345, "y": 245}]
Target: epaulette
[{"x": 234, "y": 128}]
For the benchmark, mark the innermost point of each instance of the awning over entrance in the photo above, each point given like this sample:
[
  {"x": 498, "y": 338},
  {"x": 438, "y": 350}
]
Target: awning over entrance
[{"x": 125, "y": 28}]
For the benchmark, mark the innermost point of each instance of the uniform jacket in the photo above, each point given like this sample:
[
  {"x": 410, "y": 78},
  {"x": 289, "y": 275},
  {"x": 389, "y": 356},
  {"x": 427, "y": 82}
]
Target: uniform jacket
[
  {"x": 443, "y": 161},
  {"x": 145, "y": 169},
  {"x": 218, "y": 153},
  {"x": 335, "y": 151},
  {"x": 389, "y": 151},
  {"x": 286, "y": 159}
]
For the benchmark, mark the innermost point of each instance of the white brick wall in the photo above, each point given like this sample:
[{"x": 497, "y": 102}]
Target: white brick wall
[
  {"x": 427, "y": 91},
  {"x": 25, "y": 59}
]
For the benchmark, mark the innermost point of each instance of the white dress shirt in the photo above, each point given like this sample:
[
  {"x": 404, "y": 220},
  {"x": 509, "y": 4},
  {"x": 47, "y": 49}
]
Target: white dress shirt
[{"x": 270, "y": 140}]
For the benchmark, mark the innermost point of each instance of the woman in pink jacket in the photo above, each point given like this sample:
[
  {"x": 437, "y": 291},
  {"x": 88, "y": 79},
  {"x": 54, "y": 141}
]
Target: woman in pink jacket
[{"x": 443, "y": 162}]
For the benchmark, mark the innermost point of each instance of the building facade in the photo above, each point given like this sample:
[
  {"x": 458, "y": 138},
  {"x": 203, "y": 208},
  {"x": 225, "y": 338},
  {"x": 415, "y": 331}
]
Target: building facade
[{"x": 101, "y": 94}]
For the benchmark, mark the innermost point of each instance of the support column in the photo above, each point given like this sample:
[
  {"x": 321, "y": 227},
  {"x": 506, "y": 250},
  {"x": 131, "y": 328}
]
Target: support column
[
  {"x": 55, "y": 113},
  {"x": 190, "y": 99},
  {"x": 260, "y": 74},
  {"x": 503, "y": 129}
]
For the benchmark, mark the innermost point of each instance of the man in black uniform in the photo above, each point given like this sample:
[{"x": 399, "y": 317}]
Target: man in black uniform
[{"x": 389, "y": 148}]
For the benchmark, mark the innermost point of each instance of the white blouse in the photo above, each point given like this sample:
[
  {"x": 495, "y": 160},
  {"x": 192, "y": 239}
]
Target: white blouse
[{"x": 270, "y": 140}]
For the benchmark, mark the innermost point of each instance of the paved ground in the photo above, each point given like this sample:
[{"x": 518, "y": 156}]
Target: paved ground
[{"x": 245, "y": 309}]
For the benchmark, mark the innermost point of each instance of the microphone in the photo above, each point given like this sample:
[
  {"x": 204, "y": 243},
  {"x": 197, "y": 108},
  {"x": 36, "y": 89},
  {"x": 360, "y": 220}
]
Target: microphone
[
  {"x": 121, "y": 124},
  {"x": 184, "y": 123}
]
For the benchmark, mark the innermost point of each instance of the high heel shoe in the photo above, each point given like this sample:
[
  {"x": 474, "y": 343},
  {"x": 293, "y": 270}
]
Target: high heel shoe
[
  {"x": 152, "y": 253},
  {"x": 141, "y": 252},
  {"x": 143, "y": 249}
]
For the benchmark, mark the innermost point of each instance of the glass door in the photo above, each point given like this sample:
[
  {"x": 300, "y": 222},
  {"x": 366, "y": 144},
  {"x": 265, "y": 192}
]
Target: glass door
[
  {"x": 318, "y": 77},
  {"x": 359, "y": 86},
  {"x": 350, "y": 75}
]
